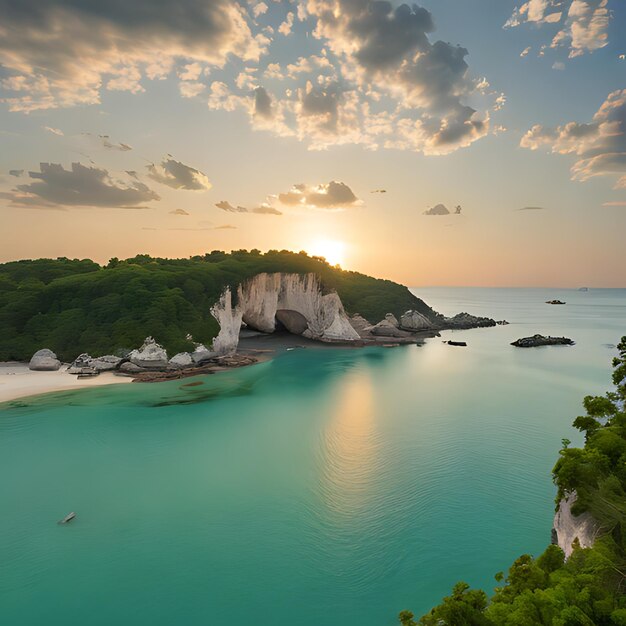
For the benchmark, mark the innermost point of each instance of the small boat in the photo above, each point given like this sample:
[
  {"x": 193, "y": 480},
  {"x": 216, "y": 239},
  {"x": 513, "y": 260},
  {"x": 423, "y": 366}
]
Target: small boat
[
  {"x": 555, "y": 302},
  {"x": 457, "y": 343},
  {"x": 68, "y": 518}
]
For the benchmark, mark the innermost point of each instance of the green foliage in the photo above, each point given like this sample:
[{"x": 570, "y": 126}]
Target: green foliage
[
  {"x": 588, "y": 588},
  {"x": 74, "y": 306}
]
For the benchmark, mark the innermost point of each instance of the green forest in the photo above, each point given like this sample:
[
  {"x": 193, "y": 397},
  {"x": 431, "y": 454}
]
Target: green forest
[
  {"x": 589, "y": 588},
  {"x": 72, "y": 306}
]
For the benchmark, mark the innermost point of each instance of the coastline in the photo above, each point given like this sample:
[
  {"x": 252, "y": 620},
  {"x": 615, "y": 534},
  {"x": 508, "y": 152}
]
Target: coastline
[{"x": 17, "y": 381}]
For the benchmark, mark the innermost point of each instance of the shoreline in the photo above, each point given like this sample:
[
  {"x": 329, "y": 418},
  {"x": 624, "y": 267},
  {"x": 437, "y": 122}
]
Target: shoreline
[{"x": 18, "y": 382}]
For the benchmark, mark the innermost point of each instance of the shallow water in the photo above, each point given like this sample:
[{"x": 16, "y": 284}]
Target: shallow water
[{"x": 322, "y": 488}]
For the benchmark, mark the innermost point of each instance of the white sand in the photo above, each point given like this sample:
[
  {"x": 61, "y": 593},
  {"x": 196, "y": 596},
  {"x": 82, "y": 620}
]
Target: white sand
[{"x": 17, "y": 381}]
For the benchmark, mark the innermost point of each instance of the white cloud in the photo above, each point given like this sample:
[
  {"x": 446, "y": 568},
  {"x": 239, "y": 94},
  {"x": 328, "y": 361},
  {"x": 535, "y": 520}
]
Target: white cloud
[
  {"x": 178, "y": 175},
  {"x": 600, "y": 145}
]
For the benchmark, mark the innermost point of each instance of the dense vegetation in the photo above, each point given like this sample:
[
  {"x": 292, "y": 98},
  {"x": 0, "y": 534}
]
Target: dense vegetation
[
  {"x": 74, "y": 306},
  {"x": 589, "y": 588}
]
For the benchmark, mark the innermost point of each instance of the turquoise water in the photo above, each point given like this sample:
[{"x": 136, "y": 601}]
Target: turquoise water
[{"x": 323, "y": 488}]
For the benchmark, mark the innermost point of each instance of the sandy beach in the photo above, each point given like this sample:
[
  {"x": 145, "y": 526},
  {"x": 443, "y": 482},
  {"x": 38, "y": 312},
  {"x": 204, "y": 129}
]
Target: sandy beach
[{"x": 17, "y": 381}]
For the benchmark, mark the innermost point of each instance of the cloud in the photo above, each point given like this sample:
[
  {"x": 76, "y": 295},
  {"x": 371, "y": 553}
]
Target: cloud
[
  {"x": 262, "y": 103},
  {"x": 615, "y": 203},
  {"x": 61, "y": 53},
  {"x": 16, "y": 173},
  {"x": 55, "y": 186},
  {"x": 177, "y": 175},
  {"x": 179, "y": 212},
  {"x": 531, "y": 208},
  {"x": 379, "y": 191},
  {"x": 107, "y": 143},
  {"x": 525, "y": 52},
  {"x": 225, "y": 227},
  {"x": 54, "y": 131},
  {"x": 285, "y": 27},
  {"x": 558, "y": 65},
  {"x": 600, "y": 145},
  {"x": 332, "y": 195},
  {"x": 583, "y": 24},
  {"x": 438, "y": 209},
  {"x": 227, "y": 206},
  {"x": 263, "y": 209}
]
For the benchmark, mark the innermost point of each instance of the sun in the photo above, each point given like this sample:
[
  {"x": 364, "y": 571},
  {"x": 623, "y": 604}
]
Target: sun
[{"x": 333, "y": 251}]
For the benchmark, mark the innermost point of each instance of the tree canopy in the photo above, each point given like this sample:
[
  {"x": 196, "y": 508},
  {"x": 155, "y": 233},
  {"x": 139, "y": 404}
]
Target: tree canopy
[{"x": 73, "y": 306}]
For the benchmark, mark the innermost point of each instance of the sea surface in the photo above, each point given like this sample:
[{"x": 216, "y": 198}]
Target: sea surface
[{"x": 323, "y": 488}]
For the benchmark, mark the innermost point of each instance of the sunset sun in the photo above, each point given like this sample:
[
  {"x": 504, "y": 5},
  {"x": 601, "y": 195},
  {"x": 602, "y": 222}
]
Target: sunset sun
[{"x": 332, "y": 250}]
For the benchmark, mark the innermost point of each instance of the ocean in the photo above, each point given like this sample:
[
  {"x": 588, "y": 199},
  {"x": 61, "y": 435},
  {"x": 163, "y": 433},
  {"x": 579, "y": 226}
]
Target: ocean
[{"x": 321, "y": 488}]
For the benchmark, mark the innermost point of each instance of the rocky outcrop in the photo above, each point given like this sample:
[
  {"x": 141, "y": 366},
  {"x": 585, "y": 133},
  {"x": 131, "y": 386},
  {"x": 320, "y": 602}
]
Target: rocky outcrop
[
  {"x": 87, "y": 364},
  {"x": 414, "y": 321},
  {"x": 150, "y": 356},
  {"x": 259, "y": 299},
  {"x": 464, "y": 321},
  {"x": 541, "y": 340},
  {"x": 568, "y": 529},
  {"x": 386, "y": 328},
  {"x": 44, "y": 361},
  {"x": 361, "y": 325}
]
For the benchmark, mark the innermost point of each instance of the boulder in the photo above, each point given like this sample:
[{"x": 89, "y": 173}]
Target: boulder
[
  {"x": 361, "y": 325},
  {"x": 181, "y": 360},
  {"x": 413, "y": 320},
  {"x": 541, "y": 340},
  {"x": 391, "y": 318},
  {"x": 44, "y": 361},
  {"x": 202, "y": 354},
  {"x": 150, "y": 356},
  {"x": 131, "y": 368},
  {"x": 104, "y": 363},
  {"x": 293, "y": 321},
  {"x": 385, "y": 328}
]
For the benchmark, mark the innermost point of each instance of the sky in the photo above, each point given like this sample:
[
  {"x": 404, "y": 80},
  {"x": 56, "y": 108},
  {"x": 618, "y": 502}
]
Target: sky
[{"x": 473, "y": 142}]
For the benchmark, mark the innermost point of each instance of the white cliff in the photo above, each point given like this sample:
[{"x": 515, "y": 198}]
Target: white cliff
[
  {"x": 568, "y": 528},
  {"x": 261, "y": 297}
]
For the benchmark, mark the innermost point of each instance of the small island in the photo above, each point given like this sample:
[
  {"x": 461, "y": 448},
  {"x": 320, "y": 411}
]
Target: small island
[{"x": 542, "y": 340}]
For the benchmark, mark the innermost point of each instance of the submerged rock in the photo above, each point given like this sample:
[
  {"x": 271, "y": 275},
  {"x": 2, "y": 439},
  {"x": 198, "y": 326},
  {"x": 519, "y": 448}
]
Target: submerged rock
[
  {"x": 541, "y": 340},
  {"x": 44, "y": 360},
  {"x": 569, "y": 528},
  {"x": 150, "y": 356}
]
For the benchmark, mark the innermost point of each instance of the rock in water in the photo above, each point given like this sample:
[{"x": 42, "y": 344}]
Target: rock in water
[
  {"x": 541, "y": 340},
  {"x": 44, "y": 361},
  {"x": 150, "y": 356},
  {"x": 465, "y": 321},
  {"x": 385, "y": 328}
]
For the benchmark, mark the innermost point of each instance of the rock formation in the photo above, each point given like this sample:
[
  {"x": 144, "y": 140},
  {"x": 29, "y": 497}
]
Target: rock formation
[
  {"x": 260, "y": 298},
  {"x": 87, "y": 364},
  {"x": 44, "y": 361},
  {"x": 414, "y": 320},
  {"x": 361, "y": 325},
  {"x": 180, "y": 360},
  {"x": 541, "y": 340},
  {"x": 568, "y": 528},
  {"x": 465, "y": 321},
  {"x": 150, "y": 356}
]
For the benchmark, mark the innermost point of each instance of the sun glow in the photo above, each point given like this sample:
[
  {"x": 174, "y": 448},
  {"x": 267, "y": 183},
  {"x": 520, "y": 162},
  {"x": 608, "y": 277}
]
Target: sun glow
[{"x": 333, "y": 251}]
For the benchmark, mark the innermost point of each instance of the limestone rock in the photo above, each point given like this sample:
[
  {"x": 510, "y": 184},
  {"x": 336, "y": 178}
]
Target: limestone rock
[
  {"x": 261, "y": 297},
  {"x": 131, "y": 368},
  {"x": 541, "y": 340},
  {"x": 567, "y": 527},
  {"x": 181, "y": 360},
  {"x": 391, "y": 318},
  {"x": 150, "y": 356},
  {"x": 202, "y": 354},
  {"x": 414, "y": 320},
  {"x": 361, "y": 325},
  {"x": 385, "y": 328},
  {"x": 84, "y": 362},
  {"x": 44, "y": 361},
  {"x": 293, "y": 321}
]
